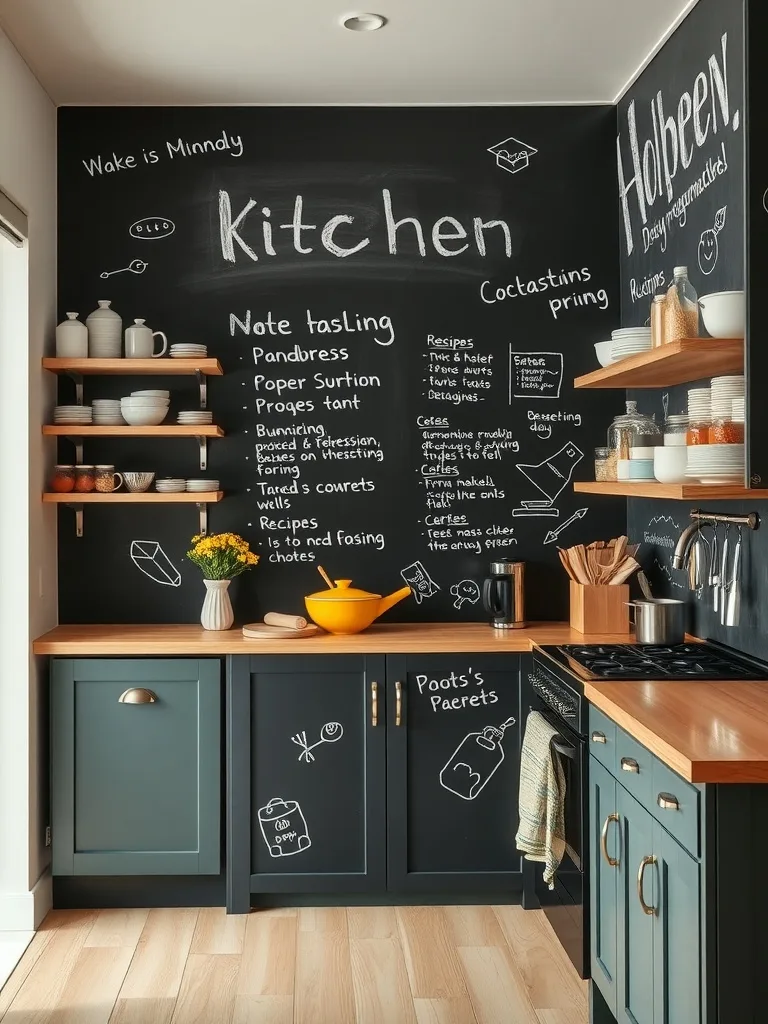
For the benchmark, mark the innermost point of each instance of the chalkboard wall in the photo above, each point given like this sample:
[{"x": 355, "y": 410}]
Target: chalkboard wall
[{"x": 400, "y": 299}]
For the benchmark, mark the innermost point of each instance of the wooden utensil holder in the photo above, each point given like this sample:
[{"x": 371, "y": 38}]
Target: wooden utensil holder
[{"x": 599, "y": 609}]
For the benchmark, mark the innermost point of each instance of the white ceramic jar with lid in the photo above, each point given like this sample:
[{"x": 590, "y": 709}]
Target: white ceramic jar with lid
[
  {"x": 105, "y": 332},
  {"x": 71, "y": 338}
]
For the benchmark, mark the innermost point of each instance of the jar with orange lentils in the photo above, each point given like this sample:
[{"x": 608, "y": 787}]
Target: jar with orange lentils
[
  {"x": 698, "y": 432},
  {"x": 726, "y": 432}
]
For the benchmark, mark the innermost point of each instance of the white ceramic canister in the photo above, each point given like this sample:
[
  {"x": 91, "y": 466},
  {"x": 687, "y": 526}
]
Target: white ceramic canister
[
  {"x": 105, "y": 332},
  {"x": 140, "y": 341},
  {"x": 72, "y": 338}
]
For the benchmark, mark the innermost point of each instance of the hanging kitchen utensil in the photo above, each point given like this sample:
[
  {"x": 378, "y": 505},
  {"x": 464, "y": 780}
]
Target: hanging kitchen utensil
[
  {"x": 723, "y": 581},
  {"x": 714, "y": 570},
  {"x": 698, "y": 560},
  {"x": 733, "y": 600}
]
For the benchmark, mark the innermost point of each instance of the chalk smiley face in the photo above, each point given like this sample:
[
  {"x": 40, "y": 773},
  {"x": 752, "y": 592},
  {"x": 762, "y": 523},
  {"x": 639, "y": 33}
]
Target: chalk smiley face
[{"x": 708, "y": 251}]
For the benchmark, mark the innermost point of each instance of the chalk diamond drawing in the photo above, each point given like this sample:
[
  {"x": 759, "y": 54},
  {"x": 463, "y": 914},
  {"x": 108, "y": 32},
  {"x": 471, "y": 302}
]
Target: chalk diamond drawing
[{"x": 149, "y": 558}]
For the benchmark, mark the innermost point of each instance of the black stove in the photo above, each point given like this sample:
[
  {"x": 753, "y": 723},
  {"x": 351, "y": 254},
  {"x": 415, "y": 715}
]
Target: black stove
[{"x": 706, "y": 660}]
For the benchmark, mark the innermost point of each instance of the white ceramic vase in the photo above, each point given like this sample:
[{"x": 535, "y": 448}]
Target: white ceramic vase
[
  {"x": 105, "y": 332},
  {"x": 71, "y": 338},
  {"x": 217, "y": 608}
]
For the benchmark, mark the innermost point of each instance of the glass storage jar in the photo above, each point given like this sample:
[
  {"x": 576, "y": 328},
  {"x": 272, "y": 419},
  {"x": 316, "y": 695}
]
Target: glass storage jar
[
  {"x": 602, "y": 464},
  {"x": 658, "y": 308},
  {"x": 627, "y": 429},
  {"x": 63, "y": 479},
  {"x": 681, "y": 308},
  {"x": 698, "y": 432},
  {"x": 725, "y": 431},
  {"x": 676, "y": 430}
]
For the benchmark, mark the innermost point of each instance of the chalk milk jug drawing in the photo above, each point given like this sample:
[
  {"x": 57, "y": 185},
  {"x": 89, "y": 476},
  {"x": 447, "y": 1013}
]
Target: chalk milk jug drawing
[
  {"x": 284, "y": 827},
  {"x": 474, "y": 762}
]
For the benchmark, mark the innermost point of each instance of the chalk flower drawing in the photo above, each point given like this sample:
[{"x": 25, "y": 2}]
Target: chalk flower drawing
[
  {"x": 149, "y": 558},
  {"x": 475, "y": 761},
  {"x": 708, "y": 244},
  {"x": 512, "y": 155},
  {"x": 134, "y": 267},
  {"x": 284, "y": 827},
  {"x": 466, "y": 590},
  {"x": 330, "y": 732},
  {"x": 419, "y": 580}
]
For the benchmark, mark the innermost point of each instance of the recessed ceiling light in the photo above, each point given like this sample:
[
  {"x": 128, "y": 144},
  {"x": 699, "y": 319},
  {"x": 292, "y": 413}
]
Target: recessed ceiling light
[{"x": 364, "y": 22}]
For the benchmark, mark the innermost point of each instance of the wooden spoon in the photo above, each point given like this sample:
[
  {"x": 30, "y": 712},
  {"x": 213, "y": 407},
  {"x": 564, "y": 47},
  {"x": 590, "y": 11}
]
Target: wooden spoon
[
  {"x": 326, "y": 577},
  {"x": 625, "y": 570},
  {"x": 578, "y": 563},
  {"x": 566, "y": 564}
]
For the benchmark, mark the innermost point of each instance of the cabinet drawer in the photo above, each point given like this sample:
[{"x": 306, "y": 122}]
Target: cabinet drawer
[
  {"x": 681, "y": 819},
  {"x": 633, "y": 767},
  {"x": 602, "y": 738}
]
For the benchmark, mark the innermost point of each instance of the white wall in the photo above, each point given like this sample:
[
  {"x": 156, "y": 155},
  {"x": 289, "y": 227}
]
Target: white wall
[{"x": 27, "y": 528}]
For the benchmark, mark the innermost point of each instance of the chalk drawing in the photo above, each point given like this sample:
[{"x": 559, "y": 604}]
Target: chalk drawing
[
  {"x": 149, "y": 229},
  {"x": 512, "y": 155},
  {"x": 134, "y": 267},
  {"x": 284, "y": 827},
  {"x": 475, "y": 761},
  {"x": 418, "y": 579},
  {"x": 765, "y": 200},
  {"x": 465, "y": 590},
  {"x": 668, "y": 574},
  {"x": 330, "y": 732},
  {"x": 554, "y": 534},
  {"x": 708, "y": 244},
  {"x": 535, "y": 374},
  {"x": 550, "y": 477},
  {"x": 149, "y": 558},
  {"x": 663, "y": 519}
]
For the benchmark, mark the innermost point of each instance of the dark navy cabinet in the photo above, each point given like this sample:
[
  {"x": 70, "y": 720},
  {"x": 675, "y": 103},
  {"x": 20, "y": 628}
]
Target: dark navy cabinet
[{"x": 136, "y": 766}]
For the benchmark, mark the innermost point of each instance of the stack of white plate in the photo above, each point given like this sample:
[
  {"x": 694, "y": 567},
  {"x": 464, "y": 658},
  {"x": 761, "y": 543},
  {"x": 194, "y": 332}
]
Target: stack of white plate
[
  {"x": 629, "y": 341},
  {"x": 724, "y": 391},
  {"x": 106, "y": 412},
  {"x": 188, "y": 351},
  {"x": 202, "y": 485},
  {"x": 73, "y": 414},
  {"x": 170, "y": 485},
  {"x": 142, "y": 411},
  {"x": 699, "y": 405},
  {"x": 714, "y": 464},
  {"x": 195, "y": 416}
]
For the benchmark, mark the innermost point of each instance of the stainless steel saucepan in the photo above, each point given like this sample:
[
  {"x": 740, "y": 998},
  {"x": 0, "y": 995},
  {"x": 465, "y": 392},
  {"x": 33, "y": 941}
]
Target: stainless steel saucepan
[{"x": 660, "y": 621}]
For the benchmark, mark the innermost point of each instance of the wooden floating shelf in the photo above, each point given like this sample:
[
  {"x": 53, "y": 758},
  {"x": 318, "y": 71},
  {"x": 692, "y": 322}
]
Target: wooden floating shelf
[
  {"x": 173, "y": 430},
  {"x": 133, "y": 498},
  {"x": 675, "y": 492},
  {"x": 136, "y": 367},
  {"x": 676, "y": 363}
]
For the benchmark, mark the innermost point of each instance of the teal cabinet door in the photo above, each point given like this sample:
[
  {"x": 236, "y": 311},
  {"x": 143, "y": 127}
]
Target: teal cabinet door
[
  {"x": 605, "y": 846},
  {"x": 638, "y": 898},
  {"x": 677, "y": 933},
  {"x": 136, "y": 782}
]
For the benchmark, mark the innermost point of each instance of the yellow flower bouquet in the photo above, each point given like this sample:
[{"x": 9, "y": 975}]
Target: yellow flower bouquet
[{"x": 222, "y": 556}]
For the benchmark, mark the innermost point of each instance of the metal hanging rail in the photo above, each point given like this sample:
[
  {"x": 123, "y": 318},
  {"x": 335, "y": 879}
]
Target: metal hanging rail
[{"x": 751, "y": 520}]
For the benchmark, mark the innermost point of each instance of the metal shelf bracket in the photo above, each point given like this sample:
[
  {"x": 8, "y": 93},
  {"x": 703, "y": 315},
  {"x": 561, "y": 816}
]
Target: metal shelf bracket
[
  {"x": 203, "y": 442},
  {"x": 78, "y": 443},
  {"x": 202, "y": 508},
  {"x": 202, "y": 383},
  {"x": 78, "y": 510},
  {"x": 78, "y": 379}
]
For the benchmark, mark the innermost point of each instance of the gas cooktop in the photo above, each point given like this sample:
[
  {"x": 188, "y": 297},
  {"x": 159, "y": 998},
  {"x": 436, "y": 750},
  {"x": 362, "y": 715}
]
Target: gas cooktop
[{"x": 706, "y": 660}]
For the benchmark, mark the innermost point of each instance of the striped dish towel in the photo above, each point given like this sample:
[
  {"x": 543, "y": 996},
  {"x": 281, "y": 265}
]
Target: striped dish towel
[{"x": 541, "y": 834}]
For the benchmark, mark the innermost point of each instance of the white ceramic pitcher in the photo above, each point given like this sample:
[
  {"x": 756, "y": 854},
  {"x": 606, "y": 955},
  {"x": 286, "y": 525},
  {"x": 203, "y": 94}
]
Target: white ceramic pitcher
[{"x": 140, "y": 342}]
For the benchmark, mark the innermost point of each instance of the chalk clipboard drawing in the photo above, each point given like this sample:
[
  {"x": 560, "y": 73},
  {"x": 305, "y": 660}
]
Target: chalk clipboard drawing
[
  {"x": 512, "y": 155},
  {"x": 550, "y": 476},
  {"x": 330, "y": 733},
  {"x": 418, "y": 579},
  {"x": 475, "y": 761},
  {"x": 284, "y": 827},
  {"x": 149, "y": 558},
  {"x": 465, "y": 590},
  {"x": 708, "y": 244}
]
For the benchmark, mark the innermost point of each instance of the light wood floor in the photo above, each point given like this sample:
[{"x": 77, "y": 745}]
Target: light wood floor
[{"x": 363, "y": 965}]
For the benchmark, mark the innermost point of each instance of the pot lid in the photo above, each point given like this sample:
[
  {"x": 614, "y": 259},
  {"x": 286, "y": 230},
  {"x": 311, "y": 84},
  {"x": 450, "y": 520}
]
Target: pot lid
[{"x": 344, "y": 592}]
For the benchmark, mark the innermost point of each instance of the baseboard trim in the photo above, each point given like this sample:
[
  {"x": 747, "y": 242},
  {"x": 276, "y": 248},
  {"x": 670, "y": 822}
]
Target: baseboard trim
[{"x": 24, "y": 911}]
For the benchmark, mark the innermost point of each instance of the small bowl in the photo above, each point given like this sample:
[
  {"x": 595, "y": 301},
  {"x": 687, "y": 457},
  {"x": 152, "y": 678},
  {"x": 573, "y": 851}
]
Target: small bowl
[
  {"x": 622, "y": 469},
  {"x": 144, "y": 417},
  {"x": 641, "y": 469},
  {"x": 724, "y": 314},
  {"x": 150, "y": 394},
  {"x": 642, "y": 453},
  {"x": 603, "y": 352},
  {"x": 670, "y": 464},
  {"x": 138, "y": 482}
]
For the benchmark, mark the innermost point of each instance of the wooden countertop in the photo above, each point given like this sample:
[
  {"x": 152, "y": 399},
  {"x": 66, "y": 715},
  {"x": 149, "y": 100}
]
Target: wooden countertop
[
  {"x": 706, "y": 732},
  {"x": 392, "y": 638}
]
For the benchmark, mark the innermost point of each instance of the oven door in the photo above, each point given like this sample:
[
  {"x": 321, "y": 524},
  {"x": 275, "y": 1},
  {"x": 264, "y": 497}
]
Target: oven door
[{"x": 567, "y": 905}]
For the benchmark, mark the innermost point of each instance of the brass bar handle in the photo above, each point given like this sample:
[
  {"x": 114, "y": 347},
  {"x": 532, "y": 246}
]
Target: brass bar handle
[
  {"x": 612, "y": 861},
  {"x": 374, "y": 704},
  {"x": 598, "y": 737},
  {"x": 629, "y": 764},
  {"x": 137, "y": 695},
  {"x": 668, "y": 801},
  {"x": 641, "y": 871},
  {"x": 398, "y": 703}
]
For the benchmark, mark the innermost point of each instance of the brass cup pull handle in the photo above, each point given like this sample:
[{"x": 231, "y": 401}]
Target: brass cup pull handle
[
  {"x": 374, "y": 704},
  {"x": 137, "y": 695},
  {"x": 629, "y": 764},
  {"x": 641, "y": 871},
  {"x": 598, "y": 737},
  {"x": 612, "y": 861},
  {"x": 398, "y": 703},
  {"x": 668, "y": 801}
]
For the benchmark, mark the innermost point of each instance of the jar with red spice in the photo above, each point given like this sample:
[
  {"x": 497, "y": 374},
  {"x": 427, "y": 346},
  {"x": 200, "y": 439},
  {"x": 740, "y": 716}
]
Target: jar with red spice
[
  {"x": 698, "y": 432},
  {"x": 726, "y": 432},
  {"x": 63, "y": 479},
  {"x": 84, "y": 479}
]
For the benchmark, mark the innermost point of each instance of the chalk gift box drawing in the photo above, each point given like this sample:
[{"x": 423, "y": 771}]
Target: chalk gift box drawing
[{"x": 284, "y": 827}]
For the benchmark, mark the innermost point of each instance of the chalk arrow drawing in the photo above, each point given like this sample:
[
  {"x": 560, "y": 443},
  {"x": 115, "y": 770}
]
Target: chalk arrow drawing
[{"x": 554, "y": 534}]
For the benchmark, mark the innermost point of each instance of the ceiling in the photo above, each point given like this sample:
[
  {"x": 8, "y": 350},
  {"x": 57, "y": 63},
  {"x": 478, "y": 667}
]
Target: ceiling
[{"x": 294, "y": 51}]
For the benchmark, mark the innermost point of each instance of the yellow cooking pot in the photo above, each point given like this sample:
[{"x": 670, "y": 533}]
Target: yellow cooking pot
[{"x": 344, "y": 609}]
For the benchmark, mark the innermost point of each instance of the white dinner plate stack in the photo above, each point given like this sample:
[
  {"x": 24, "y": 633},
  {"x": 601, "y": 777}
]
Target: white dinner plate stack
[
  {"x": 195, "y": 416},
  {"x": 106, "y": 412},
  {"x": 699, "y": 405},
  {"x": 170, "y": 485},
  {"x": 74, "y": 414},
  {"x": 629, "y": 341},
  {"x": 188, "y": 351},
  {"x": 724, "y": 391},
  {"x": 198, "y": 486},
  {"x": 714, "y": 464}
]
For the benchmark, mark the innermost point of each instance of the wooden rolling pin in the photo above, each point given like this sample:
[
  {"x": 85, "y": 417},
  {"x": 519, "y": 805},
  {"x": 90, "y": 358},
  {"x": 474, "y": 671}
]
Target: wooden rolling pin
[{"x": 288, "y": 621}]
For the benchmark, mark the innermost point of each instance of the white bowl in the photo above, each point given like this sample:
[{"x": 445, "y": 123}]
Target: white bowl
[
  {"x": 138, "y": 482},
  {"x": 150, "y": 394},
  {"x": 724, "y": 314},
  {"x": 144, "y": 417},
  {"x": 603, "y": 352},
  {"x": 670, "y": 463},
  {"x": 145, "y": 403}
]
